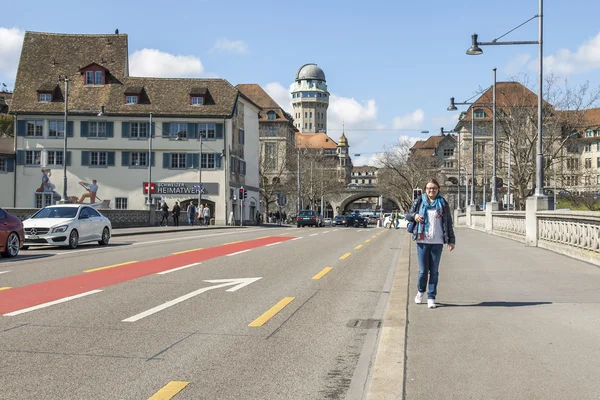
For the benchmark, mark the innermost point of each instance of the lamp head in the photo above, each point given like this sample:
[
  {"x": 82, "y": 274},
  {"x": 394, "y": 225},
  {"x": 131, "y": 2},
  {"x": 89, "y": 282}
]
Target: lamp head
[
  {"x": 474, "y": 50},
  {"x": 452, "y": 106},
  {"x": 424, "y": 131}
]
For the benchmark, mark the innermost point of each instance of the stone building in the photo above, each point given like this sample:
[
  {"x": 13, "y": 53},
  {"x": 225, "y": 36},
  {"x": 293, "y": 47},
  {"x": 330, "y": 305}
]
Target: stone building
[
  {"x": 125, "y": 131},
  {"x": 310, "y": 99}
]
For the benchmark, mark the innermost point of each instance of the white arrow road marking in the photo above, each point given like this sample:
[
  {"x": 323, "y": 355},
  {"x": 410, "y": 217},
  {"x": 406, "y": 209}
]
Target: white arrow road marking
[
  {"x": 51, "y": 303},
  {"x": 177, "y": 269},
  {"x": 239, "y": 283}
]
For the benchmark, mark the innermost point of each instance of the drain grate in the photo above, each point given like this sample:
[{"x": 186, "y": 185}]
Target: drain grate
[{"x": 364, "y": 323}]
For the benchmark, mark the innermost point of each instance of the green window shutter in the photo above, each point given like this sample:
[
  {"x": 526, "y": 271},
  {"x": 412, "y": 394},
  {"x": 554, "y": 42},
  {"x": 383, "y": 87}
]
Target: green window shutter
[
  {"x": 192, "y": 130},
  {"x": 10, "y": 165},
  {"x": 189, "y": 160},
  {"x": 152, "y": 159},
  {"x": 21, "y": 128},
  {"x": 153, "y": 129},
  {"x": 125, "y": 129},
  {"x": 166, "y": 129},
  {"x": 196, "y": 158},
  {"x": 110, "y": 158},
  {"x": 68, "y": 158},
  {"x": 110, "y": 129},
  {"x": 219, "y": 131},
  {"x": 84, "y": 128},
  {"x": 125, "y": 156},
  {"x": 166, "y": 160},
  {"x": 218, "y": 160},
  {"x": 20, "y": 157},
  {"x": 85, "y": 158},
  {"x": 69, "y": 128}
]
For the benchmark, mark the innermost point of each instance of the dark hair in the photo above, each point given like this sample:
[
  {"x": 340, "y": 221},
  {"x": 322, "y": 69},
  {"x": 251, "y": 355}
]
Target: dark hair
[{"x": 435, "y": 182}]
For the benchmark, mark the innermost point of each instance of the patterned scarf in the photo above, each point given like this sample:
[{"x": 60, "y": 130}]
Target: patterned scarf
[{"x": 426, "y": 205}]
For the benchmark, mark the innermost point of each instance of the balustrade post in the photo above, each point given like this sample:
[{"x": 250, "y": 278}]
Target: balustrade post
[{"x": 533, "y": 204}]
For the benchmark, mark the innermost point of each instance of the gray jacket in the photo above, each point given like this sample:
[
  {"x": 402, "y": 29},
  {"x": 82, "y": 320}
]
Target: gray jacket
[{"x": 447, "y": 225}]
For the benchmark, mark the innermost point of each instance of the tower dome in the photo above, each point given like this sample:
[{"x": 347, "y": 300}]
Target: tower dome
[
  {"x": 343, "y": 142},
  {"x": 310, "y": 71}
]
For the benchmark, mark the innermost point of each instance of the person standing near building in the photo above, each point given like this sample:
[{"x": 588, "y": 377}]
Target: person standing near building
[
  {"x": 165, "y": 214},
  {"x": 201, "y": 214},
  {"x": 206, "y": 213},
  {"x": 191, "y": 213},
  {"x": 176, "y": 211},
  {"x": 433, "y": 228}
]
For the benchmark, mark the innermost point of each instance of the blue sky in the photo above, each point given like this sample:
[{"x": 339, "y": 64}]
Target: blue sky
[{"x": 391, "y": 66}]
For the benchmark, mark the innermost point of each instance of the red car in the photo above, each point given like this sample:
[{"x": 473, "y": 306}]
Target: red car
[{"x": 12, "y": 235}]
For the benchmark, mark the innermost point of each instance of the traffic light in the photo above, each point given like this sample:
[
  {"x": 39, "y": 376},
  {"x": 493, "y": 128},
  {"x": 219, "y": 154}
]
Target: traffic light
[
  {"x": 245, "y": 194},
  {"x": 499, "y": 183},
  {"x": 417, "y": 193},
  {"x": 241, "y": 196}
]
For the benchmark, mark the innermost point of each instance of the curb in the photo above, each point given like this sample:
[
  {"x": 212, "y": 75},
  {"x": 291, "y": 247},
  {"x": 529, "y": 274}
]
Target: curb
[
  {"x": 387, "y": 380},
  {"x": 156, "y": 229}
]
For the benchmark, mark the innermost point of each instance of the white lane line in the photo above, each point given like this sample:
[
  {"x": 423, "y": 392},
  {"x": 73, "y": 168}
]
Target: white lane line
[
  {"x": 314, "y": 234},
  {"x": 326, "y": 232},
  {"x": 51, "y": 303},
  {"x": 273, "y": 244},
  {"x": 238, "y": 252},
  {"x": 4, "y": 272},
  {"x": 299, "y": 237},
  {"x": 177, "y": 269},
  {"x": 195, "y": 237},
  {"x": 335, "y": 230}
]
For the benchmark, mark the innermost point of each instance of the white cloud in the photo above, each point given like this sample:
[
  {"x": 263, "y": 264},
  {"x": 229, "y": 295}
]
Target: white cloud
[
  {"x": 517, "y": 64},
  {"x": 280, "y": 94},
  {"x": 413, "y": 120},
  {"x": 155, "y": 63},
  {"x": 447, "y": 121},
  {"x": 350, "y": 112},
  {"x": 11, "y": 42},
  {"x": 565, "y": 62},
  {"x": 366, "y": 160},
  {"x": 230, "y": 46}
]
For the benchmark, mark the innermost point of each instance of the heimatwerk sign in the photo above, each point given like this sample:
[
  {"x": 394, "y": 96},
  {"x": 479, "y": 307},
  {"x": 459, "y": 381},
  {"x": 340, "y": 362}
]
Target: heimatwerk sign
[{"x": 183, "y": 188}]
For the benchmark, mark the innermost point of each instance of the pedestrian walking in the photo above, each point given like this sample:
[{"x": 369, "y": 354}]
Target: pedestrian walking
[
  {"x": 432, "y": 229},
  {"x": 165, "y": 214},
  {"x": 201, "y": 214},
  {"x": 191, "y": 213},
  {"x": 206, "y": 213},
  {"x": 175, "y": 212}
]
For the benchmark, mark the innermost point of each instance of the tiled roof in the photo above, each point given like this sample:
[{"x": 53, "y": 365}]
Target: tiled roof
[
  {"x": 7, "y": 146},
  {"x": 45, "y": 56},
  {"x": 261, "y": 98},
  {"x": 318, "y": 140},
  {"x": 364, "y": 168}
]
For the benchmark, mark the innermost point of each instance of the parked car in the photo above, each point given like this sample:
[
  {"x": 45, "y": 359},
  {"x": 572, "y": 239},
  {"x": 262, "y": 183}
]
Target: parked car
[
  {"x": 327, "y": 221},
  {"x": 339, "y": 220},
  {"x": 12, "y": 235},
  {"x": 308, "y": 218},
  {"x": 66, "y": 225}
]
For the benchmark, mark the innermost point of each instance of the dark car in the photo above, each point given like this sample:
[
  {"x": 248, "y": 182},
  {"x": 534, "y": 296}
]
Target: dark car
[
  {"x": 339, "y": 220},
  {"x": 356, "y": 220},
  {"x": 12, "y": 234},
  {"x": 307, "y": 218}
]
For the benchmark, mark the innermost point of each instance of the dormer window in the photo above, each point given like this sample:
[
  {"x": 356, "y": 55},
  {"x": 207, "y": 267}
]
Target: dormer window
[
  {"x": 45, "y": 97},
  {"x": 197, "y": 100},
  {"x": 271, "y": 115},
  {"x": 94, "y": 78},
  {"x": 131, "y": 99},
  {"x": 479, "y": 113},
  {"x": 200, "y": 96}
]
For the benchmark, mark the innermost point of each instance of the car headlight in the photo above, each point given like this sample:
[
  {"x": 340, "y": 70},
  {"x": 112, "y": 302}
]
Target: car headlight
[{"x": 61, "y": 228}]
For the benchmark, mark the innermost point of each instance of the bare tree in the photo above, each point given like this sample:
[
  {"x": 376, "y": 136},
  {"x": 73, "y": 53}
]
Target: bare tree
[
  {"x": 6, "y": 126},
  {"x": 403, "y": 168}
]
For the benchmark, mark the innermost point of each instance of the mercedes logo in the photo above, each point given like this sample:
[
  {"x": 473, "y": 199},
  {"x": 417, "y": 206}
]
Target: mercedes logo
[{"x": 33, "y": 231}]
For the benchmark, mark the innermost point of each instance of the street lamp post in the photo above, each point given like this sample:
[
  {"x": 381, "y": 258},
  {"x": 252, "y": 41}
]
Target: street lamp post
[
  {"x": 149, "y": 202},
  {"x": 66, "y": 79},
  {"x": 200, "y": 173},
  {"x": 476, "y": 50}
]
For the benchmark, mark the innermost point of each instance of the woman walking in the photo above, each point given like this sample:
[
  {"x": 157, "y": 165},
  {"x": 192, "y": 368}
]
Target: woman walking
[{"x": 433, "y": 228}]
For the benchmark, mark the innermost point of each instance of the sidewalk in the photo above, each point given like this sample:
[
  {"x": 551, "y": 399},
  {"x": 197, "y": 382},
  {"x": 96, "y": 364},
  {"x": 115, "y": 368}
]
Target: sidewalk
[{"x": 512, "y": 322}]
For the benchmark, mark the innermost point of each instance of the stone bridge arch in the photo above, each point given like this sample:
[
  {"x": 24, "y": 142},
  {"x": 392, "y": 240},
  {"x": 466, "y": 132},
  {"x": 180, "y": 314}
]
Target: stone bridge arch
[{"x": 341, "y": 201}]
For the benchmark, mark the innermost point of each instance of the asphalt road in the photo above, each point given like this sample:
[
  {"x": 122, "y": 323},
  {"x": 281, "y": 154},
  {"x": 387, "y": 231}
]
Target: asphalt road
[{"x": 255, "y": 313}]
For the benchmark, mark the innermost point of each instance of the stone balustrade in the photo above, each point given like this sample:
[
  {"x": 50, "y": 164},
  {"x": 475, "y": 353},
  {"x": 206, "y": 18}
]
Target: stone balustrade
[
  {"x": 478, "y": 220},
  {"x": 510, "y": 224}
]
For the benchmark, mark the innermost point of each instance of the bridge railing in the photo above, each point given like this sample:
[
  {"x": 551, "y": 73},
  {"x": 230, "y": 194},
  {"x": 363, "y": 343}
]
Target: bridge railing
[{"x": 573, "y": 233}]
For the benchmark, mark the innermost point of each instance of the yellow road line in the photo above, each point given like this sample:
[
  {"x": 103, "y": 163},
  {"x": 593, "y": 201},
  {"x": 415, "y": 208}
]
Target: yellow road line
[
  {"x": 263, "y": 237},
  {"x": 260, "y": 321},
  {"x": 374, "y": 236},
  {"x": 322, "y": 273},
  {"x": 367, "y": 241},
  {"x": 5, "y": 288},
  {"x": 358, "y": 247},
  {"x": 110, "y": 266},
  {"x": 239, "y": 241},
  {"x": 345, "y": 256},
  {"x": 188, "y": 251},
  {"x": 169, "y": 390}
]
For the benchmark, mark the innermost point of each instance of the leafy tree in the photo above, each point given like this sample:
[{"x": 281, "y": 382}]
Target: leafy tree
[{"x": 6, "y": 126}]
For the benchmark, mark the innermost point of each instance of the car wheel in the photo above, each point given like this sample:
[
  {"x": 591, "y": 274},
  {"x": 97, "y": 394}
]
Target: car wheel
[
  {"x": 73, "y": 239},
  {"x": 298, "y": 226},
  {"x": 105, "y": 237},
  {"x": 12, "y": 245}
]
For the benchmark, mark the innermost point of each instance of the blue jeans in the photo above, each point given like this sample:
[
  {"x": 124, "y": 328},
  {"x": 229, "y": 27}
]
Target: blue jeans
[{"x": 429, "y": 256}]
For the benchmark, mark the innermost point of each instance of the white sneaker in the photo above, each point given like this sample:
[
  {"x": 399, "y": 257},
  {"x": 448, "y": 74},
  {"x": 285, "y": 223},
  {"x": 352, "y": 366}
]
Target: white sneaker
[
  {"x": 419, "y": 298},
  {"x": 431, "y": 303}
]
